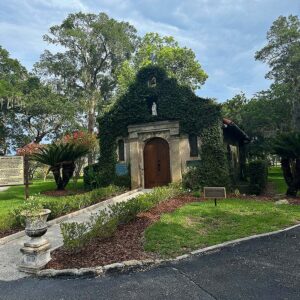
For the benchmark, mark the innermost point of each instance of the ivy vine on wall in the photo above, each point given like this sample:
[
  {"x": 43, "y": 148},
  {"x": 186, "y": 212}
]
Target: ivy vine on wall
[{"x": 174, "y": 102}]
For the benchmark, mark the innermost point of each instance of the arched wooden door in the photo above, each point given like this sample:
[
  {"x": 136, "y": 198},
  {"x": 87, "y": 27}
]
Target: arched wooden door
[{"x": 156, "y": 163}]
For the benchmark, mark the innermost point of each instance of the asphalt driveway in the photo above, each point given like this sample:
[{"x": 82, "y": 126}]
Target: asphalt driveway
[{"x": 265, "y": 268}]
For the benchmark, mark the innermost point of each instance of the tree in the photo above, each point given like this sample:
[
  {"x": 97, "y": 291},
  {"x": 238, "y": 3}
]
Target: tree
[
  {"x": 12, "y": 75},
  {"x": 30, "y": 110},
  {"x": 95, "y": 46},
  {"x": 61, "y": 160},
  {"x": 233, "y": 108},
  {"x": 165, "y": 52},
  {"x": 262, "y": 117},
  {"x": 287, "y": 146},
  {"x": 45, "y": 114},
  {"x": 282, "y": 54}
]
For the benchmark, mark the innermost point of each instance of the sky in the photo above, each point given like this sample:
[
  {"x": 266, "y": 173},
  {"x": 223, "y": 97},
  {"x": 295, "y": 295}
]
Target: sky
[{"x": 224, "y": 34}]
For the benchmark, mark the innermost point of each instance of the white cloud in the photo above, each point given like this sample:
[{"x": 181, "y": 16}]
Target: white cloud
[
  {"x": 224, "y": 34},
  {"x": 59, "y": 4}
]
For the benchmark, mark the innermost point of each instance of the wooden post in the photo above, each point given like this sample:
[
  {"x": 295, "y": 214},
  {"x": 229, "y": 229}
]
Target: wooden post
[{"x": 26, "y": 176}]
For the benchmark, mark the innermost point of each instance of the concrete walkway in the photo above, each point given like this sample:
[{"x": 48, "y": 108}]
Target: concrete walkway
[{"x": 10, "y": 247}]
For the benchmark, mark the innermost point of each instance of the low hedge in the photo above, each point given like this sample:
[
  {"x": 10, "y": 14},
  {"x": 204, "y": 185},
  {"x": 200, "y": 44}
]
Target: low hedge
[
  {"x": 60, "y": 206},
  {"x": 95, "y": 177},
  {"x": 258, "y": 176},
  {"x": 105, "y": 223}
]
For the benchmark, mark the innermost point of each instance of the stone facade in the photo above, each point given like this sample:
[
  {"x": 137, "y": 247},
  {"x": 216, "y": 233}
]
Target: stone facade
[{"x": 139, "y": 135}]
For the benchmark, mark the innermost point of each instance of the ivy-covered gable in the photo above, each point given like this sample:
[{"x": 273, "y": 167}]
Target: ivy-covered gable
[{"x": 174, "y": 102}]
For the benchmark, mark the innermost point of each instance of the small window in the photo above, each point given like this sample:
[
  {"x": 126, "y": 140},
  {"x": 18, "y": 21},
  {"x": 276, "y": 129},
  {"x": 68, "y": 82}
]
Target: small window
[
  {"x": 194, "y": 152},
  {"x": 121, "y": 150}
]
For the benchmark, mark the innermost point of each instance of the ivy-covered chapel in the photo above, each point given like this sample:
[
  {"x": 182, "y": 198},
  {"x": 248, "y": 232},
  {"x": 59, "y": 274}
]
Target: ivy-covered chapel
[{"x": 158, "y": 130}]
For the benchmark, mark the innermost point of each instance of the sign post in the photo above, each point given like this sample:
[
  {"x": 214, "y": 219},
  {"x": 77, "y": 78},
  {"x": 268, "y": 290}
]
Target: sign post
[
  {"x": 26, "y": 176},
  {"x": 215, "y": 193}
]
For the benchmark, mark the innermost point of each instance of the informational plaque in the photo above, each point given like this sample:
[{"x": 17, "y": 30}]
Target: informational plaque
[
  {"x": 214, "y": 193},
  {"x": 11, "y": 170},
  {"x": 121, "y": 169}
]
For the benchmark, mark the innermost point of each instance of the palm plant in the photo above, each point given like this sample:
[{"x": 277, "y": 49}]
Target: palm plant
[
  {"x": 61, "y": 160},
  {"x": 287, "y": 146}
]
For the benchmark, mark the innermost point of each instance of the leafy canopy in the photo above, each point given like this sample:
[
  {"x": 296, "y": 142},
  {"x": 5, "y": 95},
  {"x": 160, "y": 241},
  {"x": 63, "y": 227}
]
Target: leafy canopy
[
  {"x": 282, "y": 54},
  {"x": 165, "y": 52},
  {"x": 95, "y": 45}
]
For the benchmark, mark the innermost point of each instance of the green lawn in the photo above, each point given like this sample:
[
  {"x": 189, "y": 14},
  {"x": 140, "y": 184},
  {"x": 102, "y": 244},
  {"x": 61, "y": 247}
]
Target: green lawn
[
  {"x": 275, "y": 175},
  {"x": 201, "y": 224},
  {"x": 14, "y": 196}
]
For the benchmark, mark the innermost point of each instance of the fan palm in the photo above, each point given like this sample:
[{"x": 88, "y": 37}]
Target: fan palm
[
  {"x": 61, "y": 160},
  {"x": 287, "y": 146}
]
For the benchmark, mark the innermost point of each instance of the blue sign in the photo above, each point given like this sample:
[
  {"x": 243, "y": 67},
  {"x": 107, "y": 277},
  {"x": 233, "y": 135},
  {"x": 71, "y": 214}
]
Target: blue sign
[{"x": 121, "y": 169}]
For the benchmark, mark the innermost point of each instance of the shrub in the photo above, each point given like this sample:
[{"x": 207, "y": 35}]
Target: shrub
[
  {"x": 125, "y": 211},
  {"x": 63, "y": 205},
  {"x": 190, "y": 179},
  {"x": 123, "y": 180},
  {"x": 105, "y": 223},
  {"x": 258, "y": 176},
  {"x": 94, "y": 177},
  {"x": 102, "y": 225},
  {"x": 90, "y": 174},
  {"x": 76, "y": 235}
]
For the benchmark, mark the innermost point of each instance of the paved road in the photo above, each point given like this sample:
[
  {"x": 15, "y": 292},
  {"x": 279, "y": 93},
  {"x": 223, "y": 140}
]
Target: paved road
[{"x": 266, "y": 268}]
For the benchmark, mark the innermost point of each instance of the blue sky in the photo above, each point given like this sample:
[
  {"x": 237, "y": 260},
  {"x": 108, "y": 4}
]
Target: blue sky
[{"x": 224, "y": 34}]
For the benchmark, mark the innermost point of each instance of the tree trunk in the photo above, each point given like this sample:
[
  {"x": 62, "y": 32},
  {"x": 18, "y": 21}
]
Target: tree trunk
[
  {"x": 91, "y": 121},
  {"x": 91, "y": 126},
  {"x": 68, "y": 171},
  {"x": 57, "y": 178},
  {"x": 288, "y": 176}
]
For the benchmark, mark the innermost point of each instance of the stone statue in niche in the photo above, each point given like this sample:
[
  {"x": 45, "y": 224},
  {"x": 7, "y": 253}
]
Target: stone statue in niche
[{"x": 154, "y": 109}]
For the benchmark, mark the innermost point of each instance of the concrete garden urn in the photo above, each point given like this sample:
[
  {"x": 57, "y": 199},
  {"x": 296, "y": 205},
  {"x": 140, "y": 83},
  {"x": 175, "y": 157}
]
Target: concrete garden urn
[{"x": 36, "y": 252}]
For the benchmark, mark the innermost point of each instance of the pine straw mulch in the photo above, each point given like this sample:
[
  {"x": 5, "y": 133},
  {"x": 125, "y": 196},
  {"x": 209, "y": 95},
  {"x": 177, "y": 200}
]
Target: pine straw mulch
[{"x": 125, "y": 244}]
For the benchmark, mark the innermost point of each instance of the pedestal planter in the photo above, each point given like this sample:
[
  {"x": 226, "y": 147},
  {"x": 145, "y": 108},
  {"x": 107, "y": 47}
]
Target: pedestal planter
[{"x": 36, "y": 252}]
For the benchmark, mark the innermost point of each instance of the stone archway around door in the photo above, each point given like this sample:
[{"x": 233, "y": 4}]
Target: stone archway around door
[{"x": 156, "y": 163}]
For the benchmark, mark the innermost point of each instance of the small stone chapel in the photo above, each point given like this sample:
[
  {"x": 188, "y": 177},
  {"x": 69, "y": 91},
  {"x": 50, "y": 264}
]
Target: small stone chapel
[{"x": 156, "y": 130}]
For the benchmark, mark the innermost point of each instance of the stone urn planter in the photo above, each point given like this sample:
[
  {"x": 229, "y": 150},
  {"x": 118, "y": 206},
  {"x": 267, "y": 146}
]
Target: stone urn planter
[{"x": 36, "y": 252}]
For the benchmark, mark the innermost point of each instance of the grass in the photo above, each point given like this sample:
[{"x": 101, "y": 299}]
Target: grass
[
  {"x": 14, "y": 196},
  {"x": 275, "y": 176},
  {"x": 200, "y": 224}
]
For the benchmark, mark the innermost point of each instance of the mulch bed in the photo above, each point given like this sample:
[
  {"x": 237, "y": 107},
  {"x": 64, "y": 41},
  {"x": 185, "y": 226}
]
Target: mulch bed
[
  {"x": 55, "y": 193},
  {"x": 126, "y": 244},
  {"x": 6, "y": 232}
]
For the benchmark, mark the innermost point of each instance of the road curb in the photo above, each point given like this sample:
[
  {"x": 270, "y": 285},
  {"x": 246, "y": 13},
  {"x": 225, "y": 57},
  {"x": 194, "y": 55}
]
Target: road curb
[
  {"x": 141, "y": 265},
  {"x": 58, "y": 220}
]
